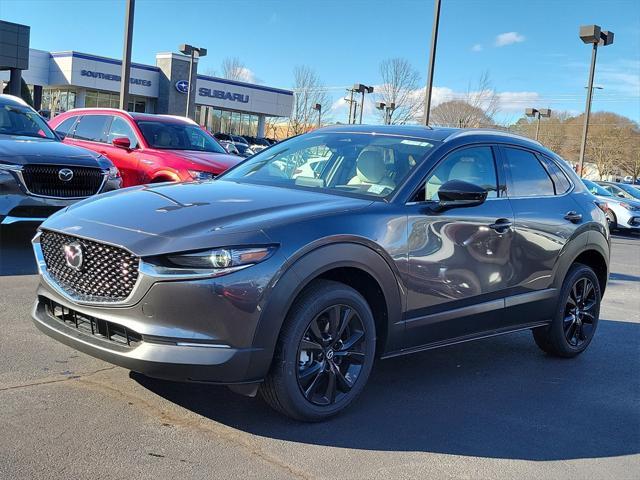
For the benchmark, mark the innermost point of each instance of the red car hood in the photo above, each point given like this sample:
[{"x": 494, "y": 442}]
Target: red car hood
[{"x": 215, "y": 161}]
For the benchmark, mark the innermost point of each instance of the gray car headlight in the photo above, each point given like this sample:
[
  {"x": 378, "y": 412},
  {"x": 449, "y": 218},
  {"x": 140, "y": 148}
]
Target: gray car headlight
[
  {"x": 113, "y": 173},
  {"x": 222, "y": 258}
]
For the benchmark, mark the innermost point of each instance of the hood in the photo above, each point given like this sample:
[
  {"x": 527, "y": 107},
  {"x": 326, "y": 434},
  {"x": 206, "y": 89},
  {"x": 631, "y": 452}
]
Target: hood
[
  {"x": 156, "y": 219},
  {"x": 22, "y": 150},
  {"x": 219, "y": 162}
]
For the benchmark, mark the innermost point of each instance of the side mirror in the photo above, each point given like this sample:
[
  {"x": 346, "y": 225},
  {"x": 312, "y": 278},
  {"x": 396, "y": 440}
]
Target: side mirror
[
  {"x": 121, "y": 142},
  {"x": 458, "y": 193}
]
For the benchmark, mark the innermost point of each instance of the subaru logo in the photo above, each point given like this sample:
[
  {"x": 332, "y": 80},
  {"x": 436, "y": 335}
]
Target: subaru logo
[
  {"x": 182, "y": 86},
  {"x": 65, "y": 174},
  {"x": 73, "y": 255}
]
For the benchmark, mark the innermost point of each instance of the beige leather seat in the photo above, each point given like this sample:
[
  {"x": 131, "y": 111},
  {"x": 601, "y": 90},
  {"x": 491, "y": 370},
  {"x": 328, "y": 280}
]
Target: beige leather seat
[{"x": 371, "y": 170}]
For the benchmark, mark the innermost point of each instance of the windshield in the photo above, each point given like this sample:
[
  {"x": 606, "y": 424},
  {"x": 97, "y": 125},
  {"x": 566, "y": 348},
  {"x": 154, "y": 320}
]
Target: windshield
[
  {"x": 23, "y": 121},
  {"x": 352, "y": 163},
  {"x": 596, "y": 189},
  {"x": 178, "y": 136}
]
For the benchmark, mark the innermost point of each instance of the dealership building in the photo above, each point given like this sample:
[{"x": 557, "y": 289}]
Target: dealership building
[{"x": 60, "y": 81}]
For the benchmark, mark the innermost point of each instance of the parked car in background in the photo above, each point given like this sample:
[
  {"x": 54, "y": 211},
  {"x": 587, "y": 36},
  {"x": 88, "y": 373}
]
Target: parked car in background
[
  {"x": 413, "y": 238},
  {"x": 622, "y": 213},
  {"x": 244, "y": 150},
  {"x": 146, "y": 148},
  {"x": 39, "y": 174},
  {"x": 622, "y": 190},
  {"x": 256, "y": 144},
  {"x": 230, "y": 147}
]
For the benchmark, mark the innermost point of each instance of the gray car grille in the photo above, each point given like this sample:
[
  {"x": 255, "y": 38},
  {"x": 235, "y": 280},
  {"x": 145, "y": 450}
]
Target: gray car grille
[
  {"x": 45, "y": 180},
  {"x": 107, "y": 273}
]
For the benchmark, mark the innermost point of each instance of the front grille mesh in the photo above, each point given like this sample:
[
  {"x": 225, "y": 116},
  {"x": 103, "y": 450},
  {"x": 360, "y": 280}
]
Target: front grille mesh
[
  {"x": 107, "y": 273},
  {"x": 44, "y": 180}
]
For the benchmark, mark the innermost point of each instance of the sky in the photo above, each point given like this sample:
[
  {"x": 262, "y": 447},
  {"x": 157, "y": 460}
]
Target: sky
[{"x": 530, "y": 49}]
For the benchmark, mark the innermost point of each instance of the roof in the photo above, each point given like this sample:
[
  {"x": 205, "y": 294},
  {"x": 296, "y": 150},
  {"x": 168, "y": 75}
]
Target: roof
[
  {"x": 134, "y": 115},
  {"x": 439, "y": 134},
  {"x": 12, "y": 100}
]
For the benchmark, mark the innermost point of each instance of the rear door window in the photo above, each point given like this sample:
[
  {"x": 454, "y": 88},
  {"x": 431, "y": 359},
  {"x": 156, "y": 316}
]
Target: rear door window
[
  {"x": 94, "y": 128},
  {"x": 526, "y": 175}
]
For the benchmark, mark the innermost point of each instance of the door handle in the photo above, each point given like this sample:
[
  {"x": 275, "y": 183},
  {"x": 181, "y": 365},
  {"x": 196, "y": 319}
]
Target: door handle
[
  {"x": 573, "y": 217},
  {"x": 501, "y": 225}
]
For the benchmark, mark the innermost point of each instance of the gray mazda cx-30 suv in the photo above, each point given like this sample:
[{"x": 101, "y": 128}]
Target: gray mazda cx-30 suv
[
  {"x": 39, "y": 174},
  {"x": 289, "y": 280}
]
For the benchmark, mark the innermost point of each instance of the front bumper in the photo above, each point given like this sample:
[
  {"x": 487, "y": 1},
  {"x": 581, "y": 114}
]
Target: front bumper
[
  {"x": 18, "y": 206},
  {"x": 199, "y": 330}
]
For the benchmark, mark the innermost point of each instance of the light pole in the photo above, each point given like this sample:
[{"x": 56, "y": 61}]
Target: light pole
[
  {"x": 432, "y": 60},
  {"x": 318, "y": 107},
  {"x": 388, "y": 110},
  {"x": 193, "y": 52},
  {"x": 360, "y": 88},
  {"x": 594, "y": 35},
  {"x": 534, "y": 112},
  {"x": 125, "y": 73},
  {"x": 350, "y": 101}
]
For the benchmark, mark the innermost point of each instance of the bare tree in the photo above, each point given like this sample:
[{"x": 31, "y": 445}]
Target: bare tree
[
  {"x": 474, "y": 109},
  {"x": 460, "y": 114},
  {"x": 234, "y": 69},
  {"x": 308, "y": 91},
  {"x": 400, "y": 86}
]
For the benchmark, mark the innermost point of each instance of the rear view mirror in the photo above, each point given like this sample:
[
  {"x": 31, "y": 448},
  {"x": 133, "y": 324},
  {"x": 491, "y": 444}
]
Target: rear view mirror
[
  {"x": 121, "y": 142},
  {"x": 458, "y": 193}
]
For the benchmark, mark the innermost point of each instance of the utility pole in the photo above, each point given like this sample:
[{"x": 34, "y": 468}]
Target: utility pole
[
  {"x": 350, "y": 102},
  {"x": 125, "y": 74},
  {"x": 432, "y": 61}
]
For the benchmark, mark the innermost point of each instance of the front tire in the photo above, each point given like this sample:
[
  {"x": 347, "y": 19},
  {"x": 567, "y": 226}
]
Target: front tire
[
  {"x": 576, "y": 318},
  {"x": 324, "y": 354},
  {"x": 612, "y": 221}
]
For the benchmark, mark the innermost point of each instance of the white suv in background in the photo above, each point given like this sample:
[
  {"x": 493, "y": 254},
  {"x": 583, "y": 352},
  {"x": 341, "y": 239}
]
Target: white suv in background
[{"x": 621, "y": 213}]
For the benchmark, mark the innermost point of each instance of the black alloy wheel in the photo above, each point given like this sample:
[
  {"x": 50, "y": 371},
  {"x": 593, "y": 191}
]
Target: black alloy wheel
[
  {"x": 580, "y": 312},
  {"x": 330, "y": 355},
  {"x": 576, "y": 318},
  {"x": 324, "y": 353}
]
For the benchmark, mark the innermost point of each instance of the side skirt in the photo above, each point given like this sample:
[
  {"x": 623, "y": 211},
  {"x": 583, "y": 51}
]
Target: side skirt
[{"x": 468, "y": 338}]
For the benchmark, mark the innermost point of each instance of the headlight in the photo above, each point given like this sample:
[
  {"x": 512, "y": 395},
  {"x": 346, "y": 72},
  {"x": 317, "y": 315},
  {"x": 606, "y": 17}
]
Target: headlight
[
  {"x": 222, "y": 258},
  {"x": 628, "y": 206},
  {"x": 113, "y": 173},
  {"x": 200, "y": 175}
]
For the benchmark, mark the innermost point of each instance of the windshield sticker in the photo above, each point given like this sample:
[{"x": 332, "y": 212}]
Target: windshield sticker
[
  {"x": 416, "y": 143},
  {"x": 377, "y": 189}
]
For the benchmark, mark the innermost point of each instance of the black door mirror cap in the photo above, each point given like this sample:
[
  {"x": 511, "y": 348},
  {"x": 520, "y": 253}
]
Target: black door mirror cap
[{"x": 458, "y": 193}]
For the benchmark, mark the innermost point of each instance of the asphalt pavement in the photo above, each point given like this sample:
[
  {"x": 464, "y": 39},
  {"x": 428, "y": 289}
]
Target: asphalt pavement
[{"x": 497, "y": 408}]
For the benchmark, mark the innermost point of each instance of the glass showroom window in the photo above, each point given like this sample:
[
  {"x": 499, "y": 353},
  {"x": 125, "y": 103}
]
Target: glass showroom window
[{"x": 58, "y": 100}]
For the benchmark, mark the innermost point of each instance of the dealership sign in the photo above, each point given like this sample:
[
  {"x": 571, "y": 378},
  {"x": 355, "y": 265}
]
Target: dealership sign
[
  {"x": 223, "y": 95},
  {"x": 114, "y": 78}
]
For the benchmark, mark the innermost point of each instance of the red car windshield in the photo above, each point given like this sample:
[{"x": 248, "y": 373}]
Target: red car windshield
[{"x": 178, "y": 136}]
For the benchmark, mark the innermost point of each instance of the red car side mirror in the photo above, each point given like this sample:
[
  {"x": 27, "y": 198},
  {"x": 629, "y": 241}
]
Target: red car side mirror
[{"x": 121, "y": 142}]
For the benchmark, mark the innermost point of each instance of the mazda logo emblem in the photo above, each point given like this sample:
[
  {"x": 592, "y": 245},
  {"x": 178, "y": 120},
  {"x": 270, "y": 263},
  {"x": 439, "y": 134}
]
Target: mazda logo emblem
[
  {"x": 73, "y": 255},
  {"x": 65, "y": 174},
  {"x": 182, "y": 86}
]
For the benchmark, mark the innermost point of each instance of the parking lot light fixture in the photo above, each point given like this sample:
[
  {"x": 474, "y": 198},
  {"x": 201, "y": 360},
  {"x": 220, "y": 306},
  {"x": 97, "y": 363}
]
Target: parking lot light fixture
[
  {"x": 594, "y": 35},
  {"x": 193, "y": 52},
  {"x": 318, "y": 107},
  {"x": 361, "y": 88},
  {"x": 534, "y": 112}
]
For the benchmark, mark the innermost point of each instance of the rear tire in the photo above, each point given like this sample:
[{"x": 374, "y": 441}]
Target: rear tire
[
  {"x": 576, "y": 316},
  {"x": 324, "y": 353}
]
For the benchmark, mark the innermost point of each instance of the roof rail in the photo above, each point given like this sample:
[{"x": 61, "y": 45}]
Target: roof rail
[{"x": 488, "y": 131}]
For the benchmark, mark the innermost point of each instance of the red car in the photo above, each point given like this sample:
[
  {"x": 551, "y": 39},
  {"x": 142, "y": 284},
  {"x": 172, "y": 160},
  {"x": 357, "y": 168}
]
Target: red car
[{"x": 146, "y": 148}]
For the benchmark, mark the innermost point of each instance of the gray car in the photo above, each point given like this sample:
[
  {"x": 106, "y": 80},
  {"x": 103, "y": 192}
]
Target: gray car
[
  {"x": 39, "y": 174},
  {"x": 270, "y": 280}
]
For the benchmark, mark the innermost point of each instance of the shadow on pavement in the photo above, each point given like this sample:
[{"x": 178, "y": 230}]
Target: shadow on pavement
[
  {"x": 16, "y": 255},
  {"x": 497, "y": 398}
]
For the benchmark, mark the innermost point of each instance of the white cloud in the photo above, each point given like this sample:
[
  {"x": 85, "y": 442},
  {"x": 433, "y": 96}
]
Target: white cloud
[
  {"x": 476, "y": 48},
  {"x": 244, "y": 74},
  {"x": 508, "y": 38}
]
